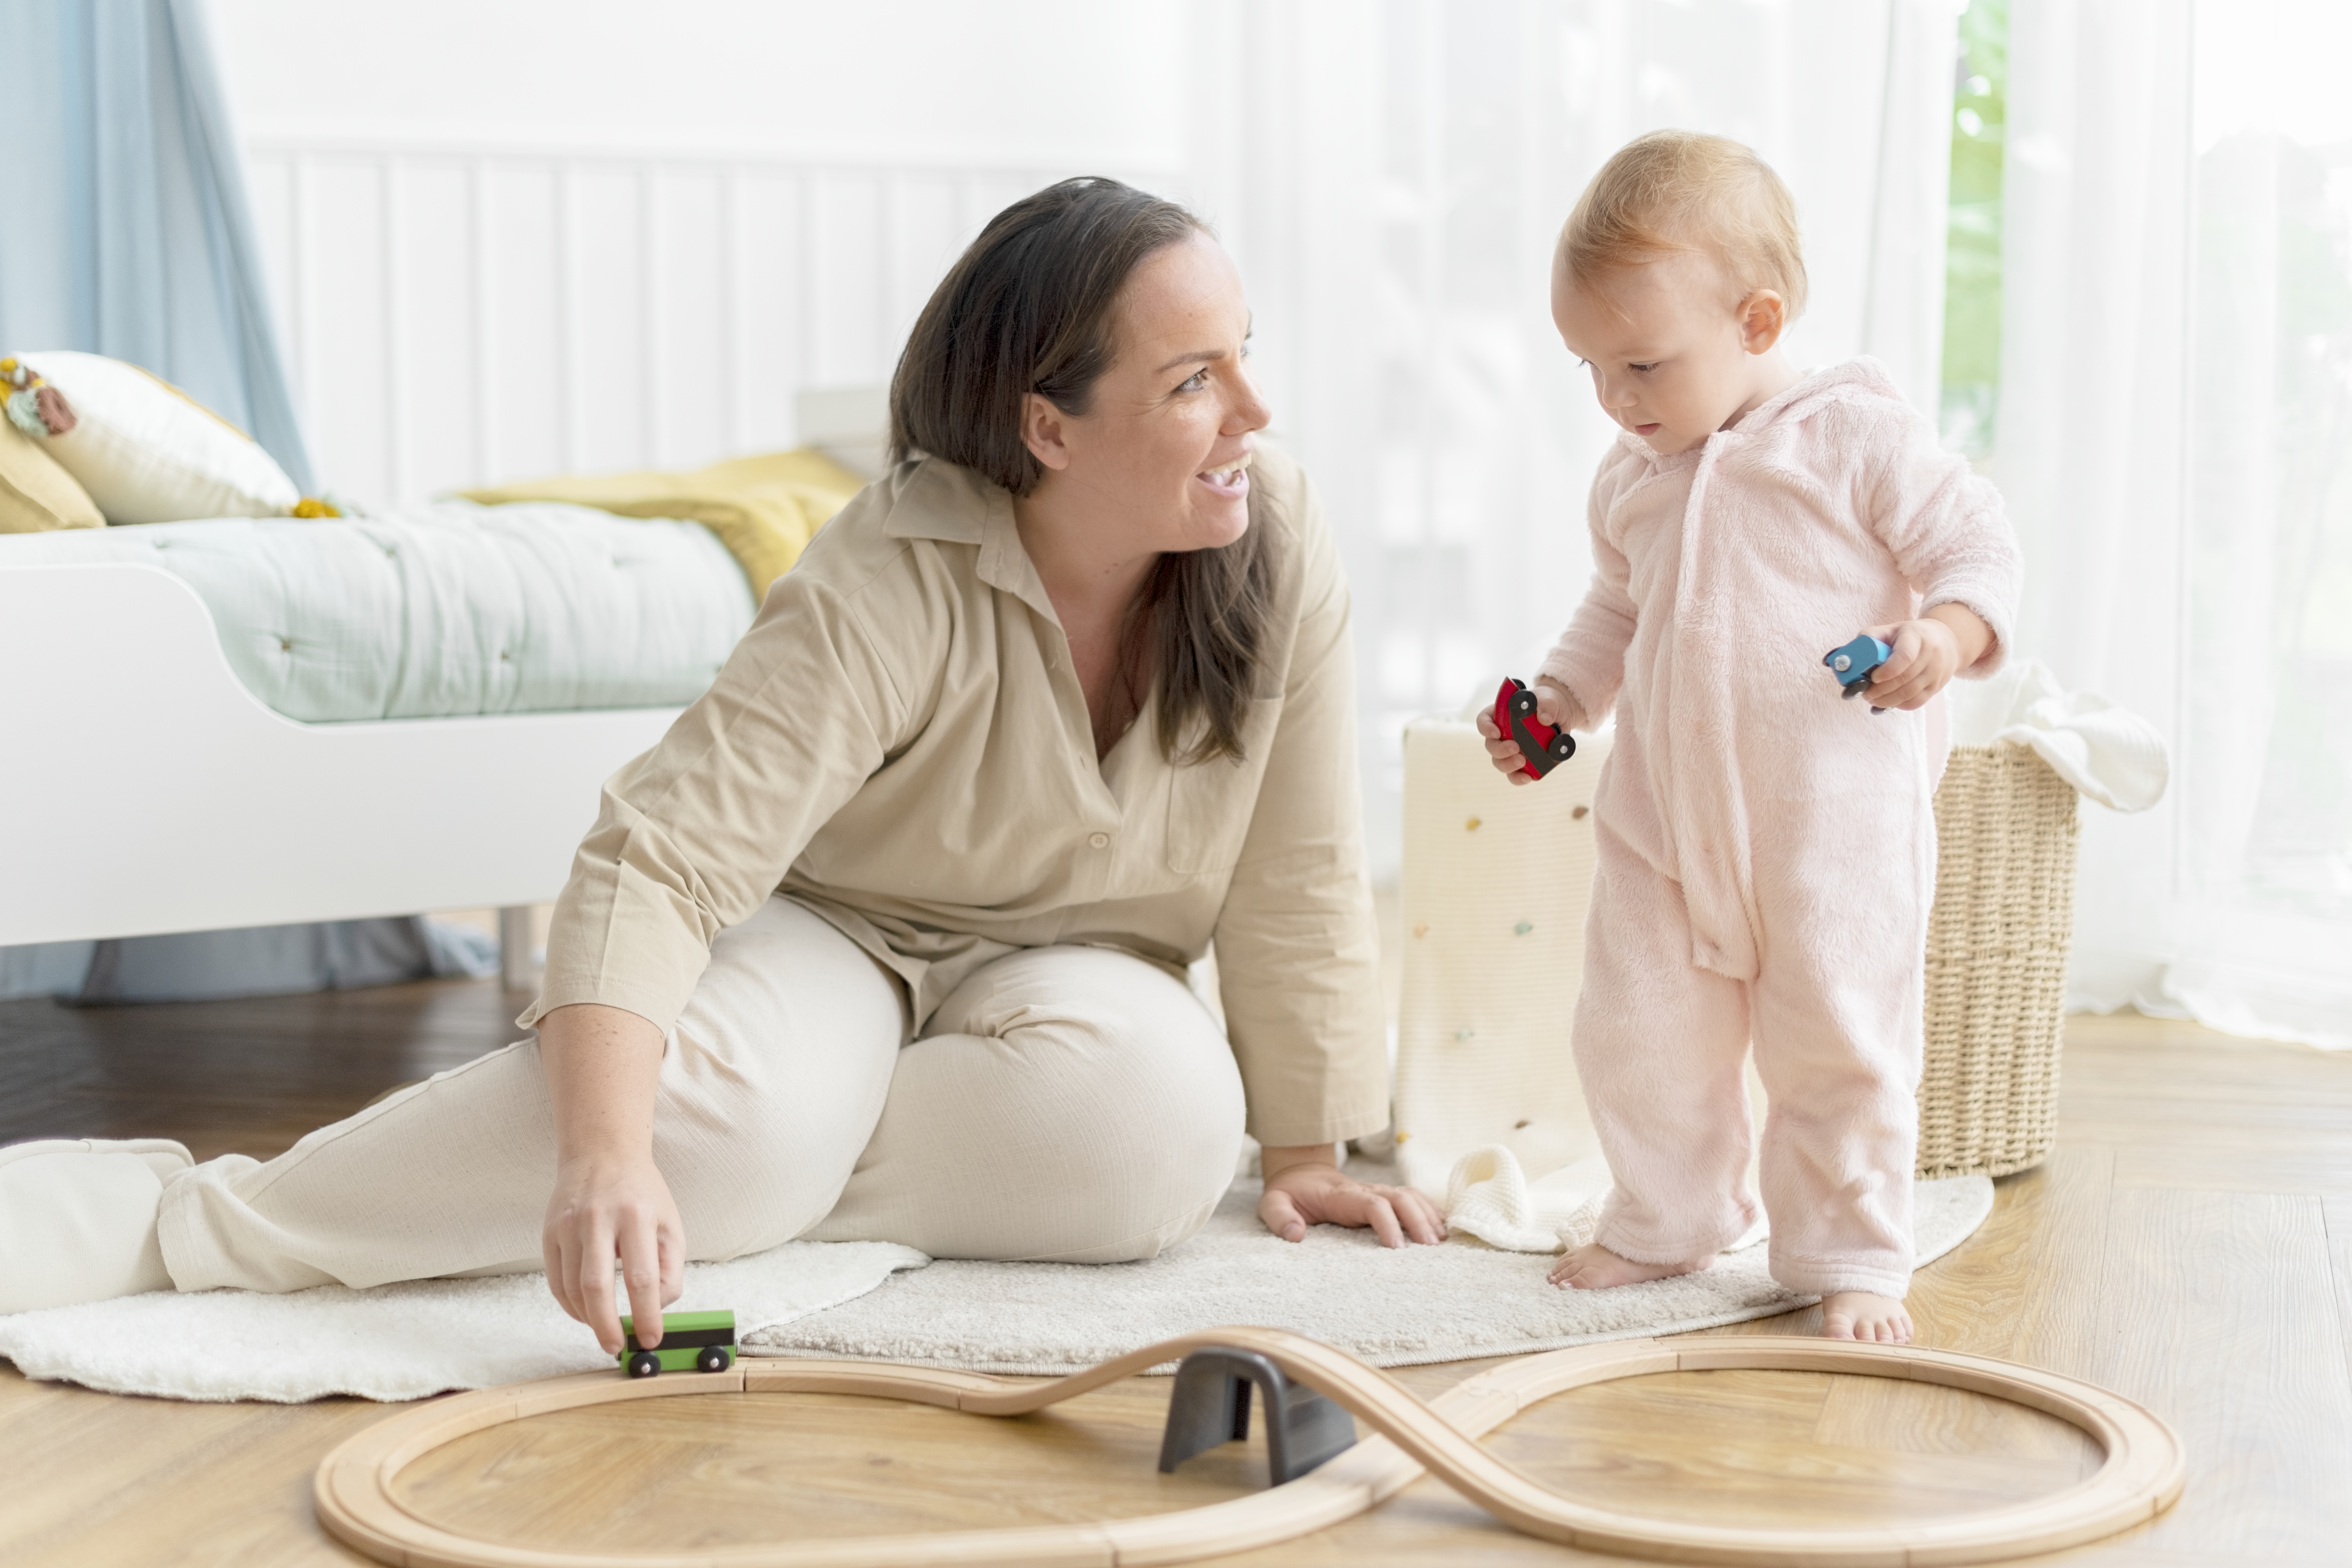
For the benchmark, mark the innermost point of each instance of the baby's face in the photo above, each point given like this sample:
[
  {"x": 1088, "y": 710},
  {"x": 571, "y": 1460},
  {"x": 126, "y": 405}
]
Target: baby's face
[{"x": 1671, "y": 359}]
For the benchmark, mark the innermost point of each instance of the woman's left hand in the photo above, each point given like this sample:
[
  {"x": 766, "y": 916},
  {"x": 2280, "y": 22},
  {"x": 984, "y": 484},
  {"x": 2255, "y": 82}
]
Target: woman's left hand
[{"x": 1304, "y": 1187}]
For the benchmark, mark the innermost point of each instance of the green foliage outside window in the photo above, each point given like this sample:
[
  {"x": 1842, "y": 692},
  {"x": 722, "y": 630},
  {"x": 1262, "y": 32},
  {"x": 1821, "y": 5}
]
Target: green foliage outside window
[{"x": 1972, "y": 255}]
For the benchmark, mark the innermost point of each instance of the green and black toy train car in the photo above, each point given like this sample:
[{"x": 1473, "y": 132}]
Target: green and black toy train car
[{"x": 692, "y": 1342}]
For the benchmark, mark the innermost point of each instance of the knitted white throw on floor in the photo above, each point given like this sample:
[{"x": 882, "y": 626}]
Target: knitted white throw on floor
[{"x": 399, "y": 1341}]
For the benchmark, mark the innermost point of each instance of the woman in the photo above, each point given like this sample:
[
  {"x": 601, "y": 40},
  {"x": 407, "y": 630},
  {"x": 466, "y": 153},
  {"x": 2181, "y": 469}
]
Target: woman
[{"x": 884, "y": 940}]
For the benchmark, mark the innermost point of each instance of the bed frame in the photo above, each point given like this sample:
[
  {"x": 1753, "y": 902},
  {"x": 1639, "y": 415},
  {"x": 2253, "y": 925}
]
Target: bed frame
[{"x": 143, "y": 789}]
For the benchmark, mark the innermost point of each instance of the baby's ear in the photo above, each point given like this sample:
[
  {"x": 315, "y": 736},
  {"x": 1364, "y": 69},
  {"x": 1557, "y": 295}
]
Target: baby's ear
[{"x": 1763, "y": 317}]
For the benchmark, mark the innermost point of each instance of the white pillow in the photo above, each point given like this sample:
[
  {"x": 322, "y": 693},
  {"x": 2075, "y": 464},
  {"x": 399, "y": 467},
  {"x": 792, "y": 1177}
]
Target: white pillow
[{"x": 146, "y": 452}]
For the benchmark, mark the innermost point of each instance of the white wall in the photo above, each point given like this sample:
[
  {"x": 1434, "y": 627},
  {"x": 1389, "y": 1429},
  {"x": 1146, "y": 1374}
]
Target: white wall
[
  {"x": 878, "y": 81},
  {"x": 510, "y": 238}
]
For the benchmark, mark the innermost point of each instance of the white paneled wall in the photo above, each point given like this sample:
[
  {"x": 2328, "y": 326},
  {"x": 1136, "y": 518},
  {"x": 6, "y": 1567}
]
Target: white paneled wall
[{"x": 455, "y": 316}]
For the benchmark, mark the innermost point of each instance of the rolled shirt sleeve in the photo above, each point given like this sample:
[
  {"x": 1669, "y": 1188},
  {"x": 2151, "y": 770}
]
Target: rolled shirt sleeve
[{"x": 1298, "y": 950}]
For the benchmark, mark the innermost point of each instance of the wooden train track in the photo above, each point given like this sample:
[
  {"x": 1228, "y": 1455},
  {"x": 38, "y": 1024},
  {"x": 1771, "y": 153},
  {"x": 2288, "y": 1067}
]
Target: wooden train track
[{"x": 2143, "y": 1472}]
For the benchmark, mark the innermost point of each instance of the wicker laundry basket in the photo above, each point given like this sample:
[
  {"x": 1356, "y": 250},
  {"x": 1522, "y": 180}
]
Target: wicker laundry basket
[{"x": 1997, "y": 942}]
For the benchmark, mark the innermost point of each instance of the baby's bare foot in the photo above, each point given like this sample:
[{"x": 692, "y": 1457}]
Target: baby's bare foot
[
  {"x": 1859, "y": 1315},
  {"x": 1593, "y": 1266}
]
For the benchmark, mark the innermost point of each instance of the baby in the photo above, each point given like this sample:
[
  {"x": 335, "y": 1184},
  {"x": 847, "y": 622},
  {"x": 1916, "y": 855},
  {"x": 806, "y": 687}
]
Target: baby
[{"x": 1767, "y": 852}]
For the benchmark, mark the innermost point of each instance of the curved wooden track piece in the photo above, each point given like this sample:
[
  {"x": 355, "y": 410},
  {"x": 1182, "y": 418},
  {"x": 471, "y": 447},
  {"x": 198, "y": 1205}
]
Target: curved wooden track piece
[{"x": 2142, "y": 1474}]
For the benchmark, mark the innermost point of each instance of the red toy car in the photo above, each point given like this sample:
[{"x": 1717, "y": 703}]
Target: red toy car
[{"x": 1544, "y": 747}]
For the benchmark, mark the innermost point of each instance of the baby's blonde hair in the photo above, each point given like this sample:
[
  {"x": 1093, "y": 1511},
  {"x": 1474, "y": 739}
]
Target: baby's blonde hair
[{"x": 1679, "y": 191}]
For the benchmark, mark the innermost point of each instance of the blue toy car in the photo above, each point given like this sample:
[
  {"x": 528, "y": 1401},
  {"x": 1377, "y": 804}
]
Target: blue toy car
[{"x": 1854, "y": 663}]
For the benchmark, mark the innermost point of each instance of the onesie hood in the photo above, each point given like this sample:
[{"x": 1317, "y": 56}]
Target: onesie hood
[{"x": 1859, "y": 380}]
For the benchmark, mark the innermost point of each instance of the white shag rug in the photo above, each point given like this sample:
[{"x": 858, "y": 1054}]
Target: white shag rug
[
  {"x": 1396, "y": 1308},
  {"x": 399, "y": 1341},
  {"x": 1401, "y": 1308}
]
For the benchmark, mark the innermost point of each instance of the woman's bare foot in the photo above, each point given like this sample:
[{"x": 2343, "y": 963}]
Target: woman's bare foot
[
  {"x": 1593, "y": 1266},
  {"x": 1859, "y": 1315}
]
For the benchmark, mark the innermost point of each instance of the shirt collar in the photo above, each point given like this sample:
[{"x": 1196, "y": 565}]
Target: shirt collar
[{"x": 949, "y": 503}]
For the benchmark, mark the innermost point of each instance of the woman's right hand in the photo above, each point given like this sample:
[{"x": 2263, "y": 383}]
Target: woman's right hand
[
  {"x": 606, "y": 1207},
  {"x": 1551, "y": 707},
  {"x": 604, "y": 1067}
]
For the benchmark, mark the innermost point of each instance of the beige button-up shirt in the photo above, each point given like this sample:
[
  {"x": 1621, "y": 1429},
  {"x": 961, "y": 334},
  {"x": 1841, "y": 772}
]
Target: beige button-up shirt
[{"x": 900, "y": 744}]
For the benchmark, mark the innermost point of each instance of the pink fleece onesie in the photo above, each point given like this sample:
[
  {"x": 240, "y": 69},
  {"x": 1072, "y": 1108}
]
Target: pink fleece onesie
[{"x": 1768, "y": 849}]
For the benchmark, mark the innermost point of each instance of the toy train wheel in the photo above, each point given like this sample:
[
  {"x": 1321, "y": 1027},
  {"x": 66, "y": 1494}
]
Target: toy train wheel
[
  {"x": 714, "y": 1358},
  {"x": 645, "y": 1363},
  {"x": 1561, "y": 747},
  {"x": 1523, "y": 703}
]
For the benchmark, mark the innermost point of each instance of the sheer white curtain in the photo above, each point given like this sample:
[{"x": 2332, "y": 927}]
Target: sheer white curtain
[
  {"x": 1391, "y": 176},
  {"x": 2175, "y": 440}
]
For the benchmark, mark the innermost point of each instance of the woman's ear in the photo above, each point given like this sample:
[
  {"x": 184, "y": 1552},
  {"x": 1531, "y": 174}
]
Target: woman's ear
[
  {"x": 1043, "y": 430},
  {"x": 1763, "y": 317}
]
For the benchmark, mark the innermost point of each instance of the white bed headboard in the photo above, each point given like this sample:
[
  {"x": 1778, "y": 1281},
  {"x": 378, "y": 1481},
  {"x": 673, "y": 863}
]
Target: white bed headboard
[
  {"x": 851, "y": 423},
  {"x": 464, "y": 314}
]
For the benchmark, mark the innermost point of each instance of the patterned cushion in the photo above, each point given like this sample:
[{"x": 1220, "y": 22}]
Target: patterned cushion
[
  {"x": 147, "y": 452},
  {"x": 36, "y": 494}
]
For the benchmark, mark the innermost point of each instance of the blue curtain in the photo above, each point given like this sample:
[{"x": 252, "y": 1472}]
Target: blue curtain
[
  {"x": 124, "y": 231},
  {"x": 124, "y": 228}
]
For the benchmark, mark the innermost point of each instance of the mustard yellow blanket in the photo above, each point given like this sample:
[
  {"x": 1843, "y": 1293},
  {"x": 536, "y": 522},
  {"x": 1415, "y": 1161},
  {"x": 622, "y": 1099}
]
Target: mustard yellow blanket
[{"x": 765, "y": 510}]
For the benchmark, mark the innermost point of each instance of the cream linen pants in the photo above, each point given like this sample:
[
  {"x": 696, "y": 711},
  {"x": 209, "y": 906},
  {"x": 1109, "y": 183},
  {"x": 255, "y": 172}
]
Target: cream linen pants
[{"x": 1065, "y": 1103}]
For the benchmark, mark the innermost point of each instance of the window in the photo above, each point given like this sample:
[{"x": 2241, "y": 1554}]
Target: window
[{"x": 1972, "y": 391}]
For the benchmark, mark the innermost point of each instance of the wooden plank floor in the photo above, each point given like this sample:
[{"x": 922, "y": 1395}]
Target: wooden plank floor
[{"x": 2190, "y": 1244}]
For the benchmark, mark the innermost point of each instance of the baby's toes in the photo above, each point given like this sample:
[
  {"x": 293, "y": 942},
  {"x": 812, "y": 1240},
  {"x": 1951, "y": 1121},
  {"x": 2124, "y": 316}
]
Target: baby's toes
[{"x": 1891, "y": 1329}]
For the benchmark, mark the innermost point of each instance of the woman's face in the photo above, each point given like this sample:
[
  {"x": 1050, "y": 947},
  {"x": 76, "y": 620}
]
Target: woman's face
[{"x": 1160, "y": 461}]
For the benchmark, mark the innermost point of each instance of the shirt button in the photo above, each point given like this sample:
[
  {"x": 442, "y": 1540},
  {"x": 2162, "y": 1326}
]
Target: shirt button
[{"x": 1100, "y": 840}]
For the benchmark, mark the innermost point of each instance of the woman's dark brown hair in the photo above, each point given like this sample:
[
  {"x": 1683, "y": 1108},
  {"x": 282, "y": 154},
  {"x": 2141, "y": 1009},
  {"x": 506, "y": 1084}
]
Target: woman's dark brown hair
[{"x": 1032, "y": 307}]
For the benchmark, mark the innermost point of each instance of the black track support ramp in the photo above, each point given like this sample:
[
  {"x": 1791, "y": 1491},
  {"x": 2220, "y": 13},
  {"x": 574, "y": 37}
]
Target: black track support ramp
[{"x": 1210, "y": 1404}]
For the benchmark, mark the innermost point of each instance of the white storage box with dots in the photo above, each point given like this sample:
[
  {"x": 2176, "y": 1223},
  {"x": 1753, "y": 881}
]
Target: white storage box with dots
[{"x": 1495, "y": 882}]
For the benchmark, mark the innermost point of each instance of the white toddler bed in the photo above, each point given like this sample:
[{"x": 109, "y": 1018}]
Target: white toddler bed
[{"x": 243, "y": 723}]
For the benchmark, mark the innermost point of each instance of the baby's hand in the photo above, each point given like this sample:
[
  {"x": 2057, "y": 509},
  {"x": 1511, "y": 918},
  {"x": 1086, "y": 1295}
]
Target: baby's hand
[
  {"x": 1927, "y": 656},
  {"x": 1551, "y": 707}
]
